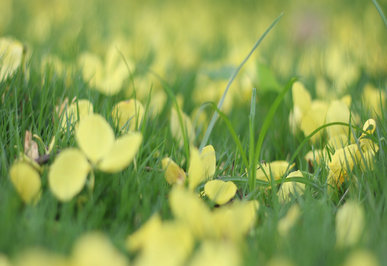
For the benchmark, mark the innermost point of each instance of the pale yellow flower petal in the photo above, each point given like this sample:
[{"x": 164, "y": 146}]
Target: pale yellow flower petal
[
  {"x": 4, "y": 261},
  {"x": 219, "y": 191},
  {"x": 95, "y": 249},
  {"x": 169, "y": 246},
  {"x": 139, "y": 239},
  {"x": 187, "y": 207},
  {"x": 79, "y": 109},
  {"x": 26, "y": 181},
  {"x": 39, "y": 257},
  {"x": 341, "y": 163},
  {"x": 291, "y": 188},
  {"x": 275, "y": 169},
  {"x": 216, "y": 253},
  {"x": 337, "y": 112},
  {"x": 128, "y": 114},
  {"x": 234, "y": 221},
  {"x": 176, "y": 129},
  {"x": 350, "y": 224},
  {"x": 11, "y": 54},
  {"x": 173, "y": 173},
  {"x": 289, "y": 220},
  {"x": 208, "y": 158},
  {"x": 369, "y": 127},
  {"x": 196, "y": 170},
  {"x": 301, "y": 97},
  {"x": 95, "y": 137},
  {"x": 68, "y": 173},
  {"x": 313, "y": 119},
  {"x": 122, "y": 153},
  {"x": 361, "y": 258}
]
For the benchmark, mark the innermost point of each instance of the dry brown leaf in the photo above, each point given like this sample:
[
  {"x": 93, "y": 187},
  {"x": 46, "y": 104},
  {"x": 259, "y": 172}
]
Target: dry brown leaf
[{"x": 30, "y": 146}]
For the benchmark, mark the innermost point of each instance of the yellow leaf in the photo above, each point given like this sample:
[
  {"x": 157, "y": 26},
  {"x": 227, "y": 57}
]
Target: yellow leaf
[
  {"x": 26, "y": 181},
  {"x": 128, "y": 114},
  {"x": 173, "y": 173},
  {"x": 216, "y": 253},
  {"x": 139, "y": 239},
  {"x": 350, "y": 224},
  {"x": 95, "y": 137},
  {"x": 219, "y": 191},
  {"x": 274, "y": 169},
  {"x": 291, "y": 188},
  {"x": 95, "y": 249},
  {"x": 68, "y": 173},
  {"x": 187, "y": 207},
  {"x": 196, "y": 171},
  {"x": 121, "y": 153},
  {"x": 337, "y": 112},
  {"x": 208, "y": 158}
]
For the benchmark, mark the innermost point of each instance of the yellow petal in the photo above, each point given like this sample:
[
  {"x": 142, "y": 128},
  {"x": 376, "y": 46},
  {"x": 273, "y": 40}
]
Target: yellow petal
[
  {"x": 337, "y": 112},
  {"x": 11, "y": 54},
  {"x": 374, "y": 99},
  {"x": 341, "y": 163},
  {"x": 122, "y": 153},
  {"x": 219, "y": 191},
  {"x": 289, "y": 220},
  {"x": 4, "y": 261},
  {"x": 317, "y": 155},
  {"x": 79, "y": 109},
  {"x": 369, "y": 128},
  {"x": 216, "y": 253},
  {"x": 39, "y": 257},
  {"x": 176, "y": 129},
  {"x": 26, "y": 181},
  {"x": 235, "y": 220},
  {"x": 361, "y": 258},
  {"x": 128, "y": 114},
  {"x": 196, "y": 169},
  {"x": 187, "y": 207},
  {"x": 139, "y": 239},
  {"x": 301, "y": 97},
  {"x": 313, "y": 119},
  {"x": 169, "y": 246},
  {"x": 95, "y": 249},
  {"x": 95, "y": 137},
  {"x": 68, "y": 173},
  {"x": 350, "y": 224},
  {"x": 208, "y": 158},
  {"x": 274, "y": 169},
  {"x": 173, "y": 173},
  {"x": 338, "y": 141},
  {"x": 291, "y": 188}
]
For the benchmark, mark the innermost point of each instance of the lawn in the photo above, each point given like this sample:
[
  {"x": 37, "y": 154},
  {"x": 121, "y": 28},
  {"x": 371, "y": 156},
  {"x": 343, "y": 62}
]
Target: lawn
[{"x": 193, "y": 132}]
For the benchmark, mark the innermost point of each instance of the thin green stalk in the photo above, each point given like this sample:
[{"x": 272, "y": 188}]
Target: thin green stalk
[
  {"x": 233, "y": 76},
  {"x": 252, "y": 170}
]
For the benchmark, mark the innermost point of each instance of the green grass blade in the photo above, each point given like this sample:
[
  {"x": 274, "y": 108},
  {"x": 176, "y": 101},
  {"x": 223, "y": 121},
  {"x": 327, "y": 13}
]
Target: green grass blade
[
  {"x": 269, "y": 117},
  {"x": 233, "y": 76},
  {"x": 252, "y": 142},
  {"x": 380, "y": 12},
  {"x": 232, "y": 132}
]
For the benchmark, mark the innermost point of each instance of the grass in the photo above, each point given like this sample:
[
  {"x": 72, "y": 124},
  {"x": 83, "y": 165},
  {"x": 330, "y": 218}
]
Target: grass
[{"x": 121, "y": 203}]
